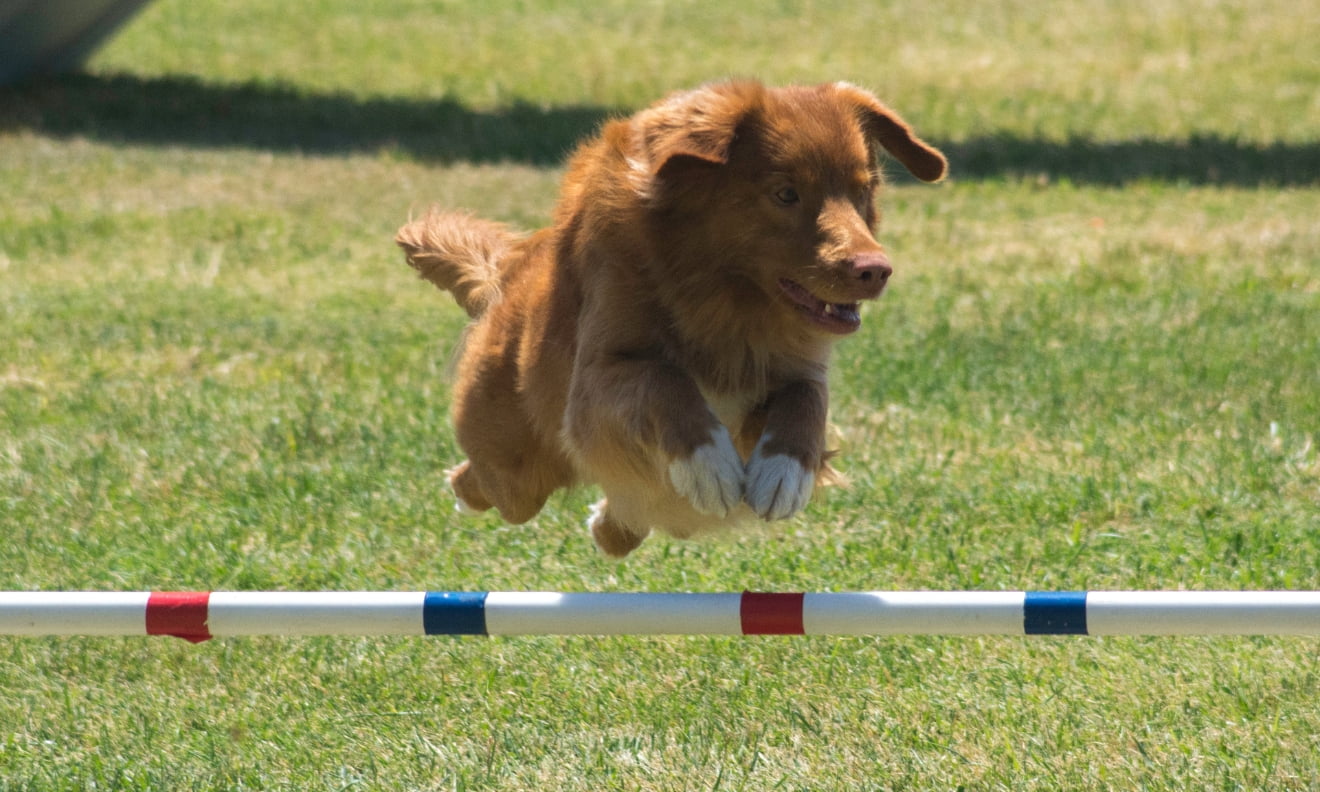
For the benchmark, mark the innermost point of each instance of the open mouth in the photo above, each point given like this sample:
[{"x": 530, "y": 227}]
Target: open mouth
[{"x": 838, "y": 318}]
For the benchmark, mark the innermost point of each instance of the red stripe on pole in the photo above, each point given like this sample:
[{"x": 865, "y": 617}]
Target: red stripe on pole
[
  {"x": 182, "y": 614},
  {"x": 771, "y": 614}
]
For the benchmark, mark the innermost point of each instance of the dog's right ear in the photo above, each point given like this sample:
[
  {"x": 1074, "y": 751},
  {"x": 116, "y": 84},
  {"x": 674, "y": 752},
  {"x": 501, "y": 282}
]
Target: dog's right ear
[{"x": 696, "y": 127}]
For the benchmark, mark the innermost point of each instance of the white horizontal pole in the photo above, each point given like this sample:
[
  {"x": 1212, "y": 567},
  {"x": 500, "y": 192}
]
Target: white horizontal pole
[
  {"x": 198, "y": 616},
  {"x": 1203, "y": 612}
]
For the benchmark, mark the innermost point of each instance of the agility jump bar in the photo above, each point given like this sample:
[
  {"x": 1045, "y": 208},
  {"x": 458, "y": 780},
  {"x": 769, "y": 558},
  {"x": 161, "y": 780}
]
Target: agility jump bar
[{"x": 198, "y": 616}]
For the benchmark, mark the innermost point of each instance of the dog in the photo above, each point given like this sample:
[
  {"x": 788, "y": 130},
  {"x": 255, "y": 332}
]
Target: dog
[{"x": 667, "y": 337}]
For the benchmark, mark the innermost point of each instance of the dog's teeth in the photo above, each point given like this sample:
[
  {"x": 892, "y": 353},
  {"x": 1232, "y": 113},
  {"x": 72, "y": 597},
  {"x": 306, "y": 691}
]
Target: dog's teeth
[{"x": 844, "y": 311}]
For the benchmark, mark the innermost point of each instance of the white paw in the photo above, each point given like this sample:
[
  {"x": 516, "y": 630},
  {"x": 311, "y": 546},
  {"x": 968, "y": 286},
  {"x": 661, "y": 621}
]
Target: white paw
[
  {"x": 712, "y": 478},
  {"x": 778, "y": 486}
]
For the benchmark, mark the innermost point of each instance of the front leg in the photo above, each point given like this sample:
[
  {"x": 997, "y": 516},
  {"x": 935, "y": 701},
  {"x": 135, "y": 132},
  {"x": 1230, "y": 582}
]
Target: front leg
[
  {"x": 781, "y": 475},
  {"x": 639, "y": 417}
]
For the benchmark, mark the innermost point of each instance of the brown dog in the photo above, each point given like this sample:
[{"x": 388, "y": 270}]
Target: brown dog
[{"x": 667, "y": 337}]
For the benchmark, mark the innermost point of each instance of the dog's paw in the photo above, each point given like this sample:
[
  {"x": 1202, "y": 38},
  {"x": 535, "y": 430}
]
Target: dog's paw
[
  {"x": 464, "y": 508},
  {"x": 612, "y": 538},
  {"x": 778, "y": 486},
  {"x": 468, "y": 498},
  {"x": 712, "y": 479}
]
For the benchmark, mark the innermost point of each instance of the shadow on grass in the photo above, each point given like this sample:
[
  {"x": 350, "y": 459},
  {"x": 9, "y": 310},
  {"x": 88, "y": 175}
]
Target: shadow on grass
[{"x": 188, "y": 112}]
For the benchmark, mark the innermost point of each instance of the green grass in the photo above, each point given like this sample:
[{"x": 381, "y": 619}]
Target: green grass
[{"x": 1098, "y": 367}]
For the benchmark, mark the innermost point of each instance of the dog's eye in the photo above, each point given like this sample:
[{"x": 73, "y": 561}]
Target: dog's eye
[{"x": 787, "y": 196}]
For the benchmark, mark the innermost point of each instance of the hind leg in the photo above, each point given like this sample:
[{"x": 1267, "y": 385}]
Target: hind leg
[{"x": 508, "y": 468}]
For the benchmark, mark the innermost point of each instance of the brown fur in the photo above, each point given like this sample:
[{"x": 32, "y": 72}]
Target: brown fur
[{"x": 667, "y": 337}]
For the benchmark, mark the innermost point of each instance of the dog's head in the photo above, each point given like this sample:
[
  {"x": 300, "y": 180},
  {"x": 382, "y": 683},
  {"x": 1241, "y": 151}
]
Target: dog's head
[{"x": 779, "y": 186}]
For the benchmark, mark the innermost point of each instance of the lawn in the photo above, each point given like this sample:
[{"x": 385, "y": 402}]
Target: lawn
[{"x": 1097, "y": 366}]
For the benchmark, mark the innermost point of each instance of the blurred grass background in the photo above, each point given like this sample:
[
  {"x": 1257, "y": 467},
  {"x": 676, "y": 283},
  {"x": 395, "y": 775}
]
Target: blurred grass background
[{"x": 1098, "y": 367}]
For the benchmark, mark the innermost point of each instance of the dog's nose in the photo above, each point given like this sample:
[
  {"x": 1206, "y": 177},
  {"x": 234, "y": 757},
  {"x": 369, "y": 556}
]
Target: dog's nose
[{"x": 870, "y": 267}]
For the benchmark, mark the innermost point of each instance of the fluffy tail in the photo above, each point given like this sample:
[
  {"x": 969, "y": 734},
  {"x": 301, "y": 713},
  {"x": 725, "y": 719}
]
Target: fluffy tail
[{"x": 460, "y": 254}]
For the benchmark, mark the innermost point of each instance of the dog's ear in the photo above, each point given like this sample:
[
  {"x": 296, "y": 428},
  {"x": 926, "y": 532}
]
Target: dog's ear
[
  {"x": 697, "y": 127},
  {"x": 886, "y": 127}
]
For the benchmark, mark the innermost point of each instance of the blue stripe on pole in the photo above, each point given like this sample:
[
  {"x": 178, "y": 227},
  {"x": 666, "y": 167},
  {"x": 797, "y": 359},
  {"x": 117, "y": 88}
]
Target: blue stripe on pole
[
  {"x": 1054, "y": 613},
  {"x": 454, "y": 613}
]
